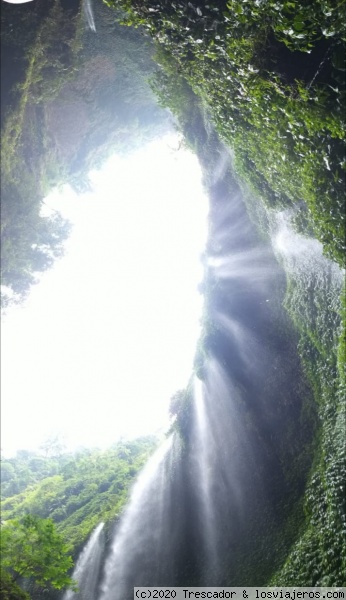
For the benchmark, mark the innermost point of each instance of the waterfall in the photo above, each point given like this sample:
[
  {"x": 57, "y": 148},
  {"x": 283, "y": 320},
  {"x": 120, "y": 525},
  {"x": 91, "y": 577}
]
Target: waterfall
[
  {"x": 210, "y": 506},
  {"x": 141, "y": 552},
  {"x": 303, "y": 256},
  {"x": 202, "y": 457},
  {"x": 87, "y": 569},
  {"x": 223, "y": 466},
  {"x": 89, "y": 14},
  {"x": 198, "y": 505},
  {"x": 315, "y": 280}
]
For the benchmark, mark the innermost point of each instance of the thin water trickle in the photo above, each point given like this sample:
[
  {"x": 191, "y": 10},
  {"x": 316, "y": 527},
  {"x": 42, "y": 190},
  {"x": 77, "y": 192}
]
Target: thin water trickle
[
  {"x": 300, "y": 254},
  {"x": 89, "y": 14},
  {"x": 202, "y": 457},
  {"x": 87, "y": 569},
  {"x": 316, "y": 280}
]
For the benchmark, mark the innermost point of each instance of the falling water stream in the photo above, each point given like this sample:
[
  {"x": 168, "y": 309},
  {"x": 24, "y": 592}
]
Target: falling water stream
[
  {"x": 89, "y": 14},
  {"x": 140, "y": 552},
  {"x": 203, "y": 463},
  {"x": 304, "y": 260},
  {"x": 86, "y": 572}
]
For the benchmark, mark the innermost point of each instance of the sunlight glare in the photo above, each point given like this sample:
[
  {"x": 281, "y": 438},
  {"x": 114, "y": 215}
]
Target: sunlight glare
[{"x": 109, "y": 334}]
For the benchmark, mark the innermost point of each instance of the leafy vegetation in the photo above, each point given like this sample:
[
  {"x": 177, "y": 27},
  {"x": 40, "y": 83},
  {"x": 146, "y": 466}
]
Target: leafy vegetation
[
  {"x": 9, "y": 589},
  {"x": 76, "y": 492},
  {"x": 278, "y": 118},
  {"x": 30, "y": 241},
  {"x": 74, "y": 99},
  {"x": 32, "y": 549},
  {"x": 319, "y": 556}
]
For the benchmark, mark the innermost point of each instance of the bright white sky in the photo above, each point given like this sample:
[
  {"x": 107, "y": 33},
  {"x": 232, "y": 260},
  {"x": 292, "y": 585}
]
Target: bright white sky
[{"x": 109, "y": 333}]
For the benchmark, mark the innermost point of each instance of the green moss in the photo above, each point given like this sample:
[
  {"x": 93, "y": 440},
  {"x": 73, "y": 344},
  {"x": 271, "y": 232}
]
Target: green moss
[
  {"x": 318, "y": 558},
  {"x": 278, "y": 123}
]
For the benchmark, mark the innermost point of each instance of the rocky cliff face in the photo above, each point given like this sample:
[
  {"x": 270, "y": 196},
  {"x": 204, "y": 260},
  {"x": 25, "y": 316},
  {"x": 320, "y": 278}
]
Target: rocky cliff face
[{"x": 71, "y": 97}]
